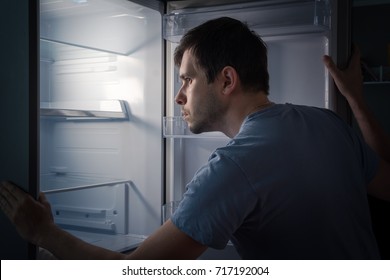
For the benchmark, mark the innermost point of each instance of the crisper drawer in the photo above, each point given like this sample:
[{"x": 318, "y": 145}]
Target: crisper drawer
[
  {"x": 92, "y": 208},
  {"x": 89, "y": 203}
]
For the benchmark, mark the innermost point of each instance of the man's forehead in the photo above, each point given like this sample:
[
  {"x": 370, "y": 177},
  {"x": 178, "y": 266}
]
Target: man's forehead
[{"x": 187, "y": 63}]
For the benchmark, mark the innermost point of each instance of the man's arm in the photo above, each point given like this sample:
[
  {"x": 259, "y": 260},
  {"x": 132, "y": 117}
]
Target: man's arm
[
  {"x": 34, "y": 222},
  {"x": 350, "y": 84},
  {"x": 167, "y": 243}
]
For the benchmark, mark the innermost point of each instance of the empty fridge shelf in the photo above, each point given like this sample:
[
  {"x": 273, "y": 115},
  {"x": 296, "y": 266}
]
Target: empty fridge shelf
[
  {"x": 91, "y": 110},
  {"x": 58, "y": 183}
]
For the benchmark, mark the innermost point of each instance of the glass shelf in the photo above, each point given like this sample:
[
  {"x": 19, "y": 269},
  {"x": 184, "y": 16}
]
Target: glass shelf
[
  {"x": 91, "y": 110},
  {"x": 60, "y": 181},
  {"x": 267, "y": 18}
]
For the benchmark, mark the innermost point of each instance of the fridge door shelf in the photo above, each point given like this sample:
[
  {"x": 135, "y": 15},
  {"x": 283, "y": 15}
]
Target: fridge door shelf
[
  {"x": 114, "y": 110},
  {"x": 176, "y": 127},
  {"x": 268, "y": 18}
]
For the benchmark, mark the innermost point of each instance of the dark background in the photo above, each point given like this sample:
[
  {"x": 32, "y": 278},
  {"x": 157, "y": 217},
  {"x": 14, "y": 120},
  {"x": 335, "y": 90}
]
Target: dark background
[{"x": 371, "y": 32}]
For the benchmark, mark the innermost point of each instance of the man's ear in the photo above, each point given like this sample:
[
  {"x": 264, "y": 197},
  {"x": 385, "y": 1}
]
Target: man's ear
[{"x": 229, "y": 79}]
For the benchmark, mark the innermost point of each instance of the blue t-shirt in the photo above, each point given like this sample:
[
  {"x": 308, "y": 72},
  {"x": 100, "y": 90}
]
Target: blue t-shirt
[{"x": 290, "y": 185}]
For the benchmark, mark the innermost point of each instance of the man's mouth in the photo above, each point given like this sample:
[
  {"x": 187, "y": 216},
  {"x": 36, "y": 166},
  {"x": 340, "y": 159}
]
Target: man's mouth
[{"x": 184, "y": 115}]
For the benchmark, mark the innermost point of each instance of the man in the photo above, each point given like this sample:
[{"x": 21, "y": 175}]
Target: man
[{"x": 291, "y": 184}]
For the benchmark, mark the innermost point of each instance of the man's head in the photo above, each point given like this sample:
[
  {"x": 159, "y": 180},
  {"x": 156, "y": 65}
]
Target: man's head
[{"x": 227, "y": 42}]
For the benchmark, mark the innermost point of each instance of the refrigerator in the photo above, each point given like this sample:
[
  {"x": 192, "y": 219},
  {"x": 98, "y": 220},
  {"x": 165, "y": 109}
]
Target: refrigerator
[{"x": 88, "y": 109}]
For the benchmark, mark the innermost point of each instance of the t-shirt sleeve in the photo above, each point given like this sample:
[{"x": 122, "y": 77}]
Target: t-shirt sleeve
[{"x": 216, "y": 202}]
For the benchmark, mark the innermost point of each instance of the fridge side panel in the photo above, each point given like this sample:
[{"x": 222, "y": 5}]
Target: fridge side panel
[
  {"x": 340, "y": 50},
  {"x": 18, "y": 112}
]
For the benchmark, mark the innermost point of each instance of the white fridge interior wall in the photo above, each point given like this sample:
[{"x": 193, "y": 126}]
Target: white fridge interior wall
[
  {"x": 297, "y": 73},
  {"x": 94, "y": 51}
]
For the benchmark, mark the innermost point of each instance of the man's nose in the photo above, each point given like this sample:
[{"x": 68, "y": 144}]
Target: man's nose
[{"x": 180, "y": 97}]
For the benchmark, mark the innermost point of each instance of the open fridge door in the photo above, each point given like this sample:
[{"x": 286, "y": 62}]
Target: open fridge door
[{"x": 18, "y": 113}]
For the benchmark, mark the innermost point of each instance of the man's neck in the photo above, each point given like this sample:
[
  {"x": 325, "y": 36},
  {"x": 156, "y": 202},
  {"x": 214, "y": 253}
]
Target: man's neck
[{"x": 241, "y": 107}]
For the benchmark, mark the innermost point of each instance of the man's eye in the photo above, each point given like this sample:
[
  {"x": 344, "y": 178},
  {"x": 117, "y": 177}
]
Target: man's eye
[{"x": 186, "y": 80}]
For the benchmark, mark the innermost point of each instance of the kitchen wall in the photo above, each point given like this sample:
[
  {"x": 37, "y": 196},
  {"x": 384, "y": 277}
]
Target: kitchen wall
[{"x": 371, "y": 32}]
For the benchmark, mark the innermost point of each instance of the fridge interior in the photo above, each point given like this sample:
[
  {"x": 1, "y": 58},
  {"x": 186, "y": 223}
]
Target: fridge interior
[{"x": 101, "y": 96}]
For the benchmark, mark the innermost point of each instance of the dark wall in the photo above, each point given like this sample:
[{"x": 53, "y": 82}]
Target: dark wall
[{"x": 371, "y": 32}]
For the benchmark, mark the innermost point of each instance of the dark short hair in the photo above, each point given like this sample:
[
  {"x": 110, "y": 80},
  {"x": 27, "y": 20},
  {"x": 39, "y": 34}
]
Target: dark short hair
[{"x": 227, "y": 42}]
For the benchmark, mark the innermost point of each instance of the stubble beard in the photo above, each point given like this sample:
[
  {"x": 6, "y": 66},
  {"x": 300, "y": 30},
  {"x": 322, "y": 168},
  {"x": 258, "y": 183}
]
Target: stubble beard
[{"x": 206, "y": 119}]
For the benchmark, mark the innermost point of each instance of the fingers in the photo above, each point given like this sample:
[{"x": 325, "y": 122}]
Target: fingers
[
  {"x": 331, "y": 66},
  {"x": 4, "y": 200},
  {"x": 42, "y": 199},
  {"x": 349, "y": 80},
  {"x": 7, "y": 199},
  {"x": 328, "y": 61},
  {"x": 11, "y": 192},
  {"x": 10, "y": 198},
  {"x": 353, "y": 64}
]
